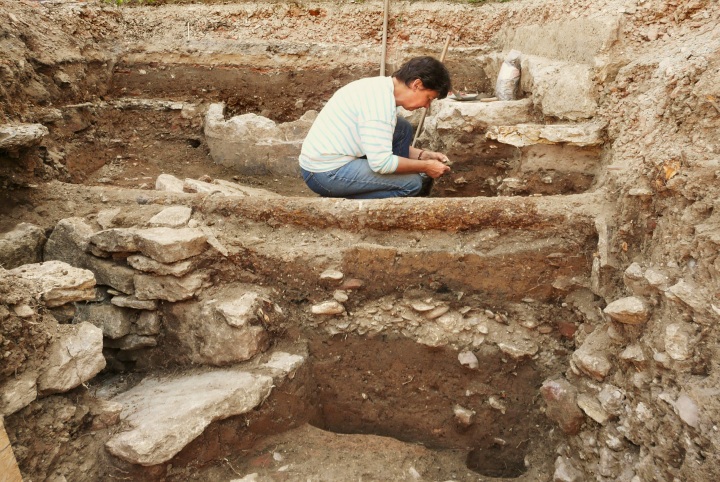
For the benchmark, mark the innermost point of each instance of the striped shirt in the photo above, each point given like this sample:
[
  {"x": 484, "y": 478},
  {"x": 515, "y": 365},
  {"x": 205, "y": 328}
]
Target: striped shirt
[{"x": 358, "y": 120}]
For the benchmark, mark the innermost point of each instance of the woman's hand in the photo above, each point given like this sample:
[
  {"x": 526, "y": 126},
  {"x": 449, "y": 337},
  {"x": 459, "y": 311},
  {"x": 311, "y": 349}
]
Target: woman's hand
[{"x": 436, "y": 168}]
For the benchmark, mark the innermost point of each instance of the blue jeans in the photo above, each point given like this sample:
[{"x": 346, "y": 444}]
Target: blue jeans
[{"x": 355, "y": 180}]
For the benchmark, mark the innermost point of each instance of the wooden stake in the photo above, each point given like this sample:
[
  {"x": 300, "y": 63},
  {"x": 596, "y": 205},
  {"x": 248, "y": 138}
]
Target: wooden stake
[
  {"x": 384, "y": 38},
  {"x": 422, "y": 118}
]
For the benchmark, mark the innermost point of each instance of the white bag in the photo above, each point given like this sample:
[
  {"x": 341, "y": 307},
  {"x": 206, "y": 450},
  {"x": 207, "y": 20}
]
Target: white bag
[{"x": 508, "y": 77}]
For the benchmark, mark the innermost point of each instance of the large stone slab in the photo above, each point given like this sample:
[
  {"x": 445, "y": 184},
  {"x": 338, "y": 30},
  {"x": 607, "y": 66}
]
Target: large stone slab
[
  {"x": 165, "y": 414},
  {"x": 115, "y": 322},
  {"x": 22, "y": 245},
  {"x": 16, "y": 136},
  {"x": 450, "y": 122},
  {"x": 168, "y": 245},
  {"x": 58, "y": 283},
  {"x": 522, "y": 135},
  {"x": 74, "y": 357},
  {"x": 222, "y": 329},
  {"x": 168, "y": 288},
  {"x": 253, "y": 144}
]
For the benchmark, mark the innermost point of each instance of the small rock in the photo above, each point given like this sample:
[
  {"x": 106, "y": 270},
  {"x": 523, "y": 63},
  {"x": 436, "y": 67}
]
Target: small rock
[
  {"x": 328, "y": 308},
  {"x": 437, "y": 312},
  {"x": 631, "y": 310},
  {"x": 497, "y": 404},
  {"x": 352, "y": 284},
  {"x": 677, "y": 342},
  {"x": 468, "y": 359},
  {"x": 592, "y": 408},
  {"x": 340, "y": 296},
  {"x": 463, "y": 416},
  {"x": 331, "y": 274}
]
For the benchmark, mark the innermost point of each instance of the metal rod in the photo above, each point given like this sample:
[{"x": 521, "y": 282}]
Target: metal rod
[
  {"x": 384, "y": 38},
  {"x": 422, "y": 118}
]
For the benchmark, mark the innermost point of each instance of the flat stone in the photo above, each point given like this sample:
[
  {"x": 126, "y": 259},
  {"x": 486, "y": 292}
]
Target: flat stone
[
  {"x": 518, "y": 348},
  {"x": 106, "y": 217},
  {"x": 331, "y": 274},
  {"x": 328, "y": 308},
  {"x": 169, "y": 183},
  {"x": 115, "y": 322},
  {"x": 108, "y": 272},
  {"x": 165, "y": 414},
  {"x": 631, "y": 310},
  {"x": 132, "y": 342},
  {"x": 168, "y": 245},
  {"x": 592, "y": 408},
  {"x": 58, "y": 283},
  {"x": 168, "y": 288},
  {"x": 149, "y": 265},
  {"x": 522, "y": 135},
  {"x": 285, "y": 363},
  {"x": 18, "y": 136},
  {"x": 115, "y": 240},
  {"x": 148, "y": 323},
  {"x": 22, "y": 245},
  {"x": 172, "y": 217},
  {"x": 124, "y": 301},
  {"x": 73, "y": 358}
]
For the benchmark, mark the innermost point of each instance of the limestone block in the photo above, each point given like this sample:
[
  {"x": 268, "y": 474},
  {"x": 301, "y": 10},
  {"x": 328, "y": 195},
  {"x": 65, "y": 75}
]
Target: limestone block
[
  {"x": 69, "y": 241},
  {"x": 18, "y": 393},
  {"x": 592, "y": 408},
  {"x": 168, "y": 245},
  {"x": 241, "y": 311},
  {"x": 149, "y": 265},
  {"x": 253, "y": 144},
  {"x": 577, "y": 40},
  {"x": 148, "y": 323},
  {"x": 592, "y": 356},
  {"x": 518, "y": 348},
  {"x": 110, "y": 273},
  {"x": 22, "y": 245},
  {"x": 560, "y": 157},
  {"x": 134, "y": 303},
  {"x": 16, "y": 136},
  {"x": 643, "y": 282},
  {"x": 449, "y": 121},
  {"x": 560, "y": 89},
  {"x": 678, "y": 341},
  {"x": 694, "y": 298},
  {"x": 561, "y": 400},
  {"x": 522, "y": 135},
  {"x": 115, "y": 240},
  {"x": 285, "y": 364},
  {"x": 612, "y": 399},
  {"x": 106, "y": 217},
  {"x": 172, "y": 217},
  {"x": 73, "y": 358},
  {"x": 630, "y": 310},
  {"x": 214, "y": 340},
  {"x": 165, "y": 414},
  {"x": 169, "y": 183},
  {"x": 168, "y": 288},
  {"x": 57, "y": 282},
  {"x": 132, "y": 342},
  {"x": 115, "y": 322}
]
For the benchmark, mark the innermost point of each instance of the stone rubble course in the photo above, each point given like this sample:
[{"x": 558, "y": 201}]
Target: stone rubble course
[
  {"x": 58, "y": 283},
  {"x": 162, "y": 415}
]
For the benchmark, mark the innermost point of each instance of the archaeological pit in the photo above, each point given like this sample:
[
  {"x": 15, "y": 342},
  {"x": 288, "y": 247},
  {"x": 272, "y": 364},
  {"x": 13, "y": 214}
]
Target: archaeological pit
[{"x": 176, "y": 305}]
